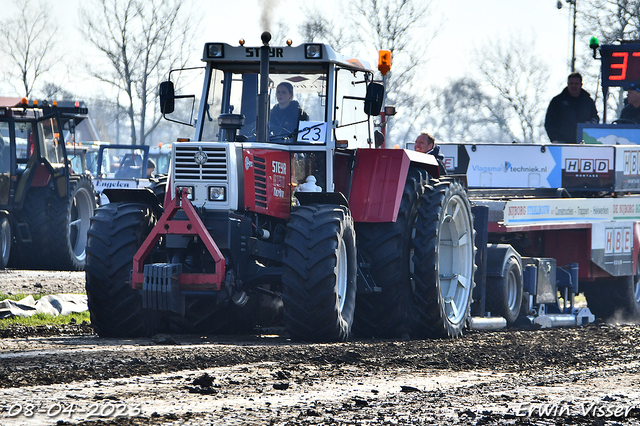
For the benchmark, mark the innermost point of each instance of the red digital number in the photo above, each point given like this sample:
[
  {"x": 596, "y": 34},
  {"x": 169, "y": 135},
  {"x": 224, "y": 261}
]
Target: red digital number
[
  {"x": 627, "y": 69},
  {"x": 622, "y": 67}
]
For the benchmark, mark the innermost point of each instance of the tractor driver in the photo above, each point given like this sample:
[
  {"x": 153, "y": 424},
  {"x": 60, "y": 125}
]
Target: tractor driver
[
  {"x": 151, "y": 168},
  {"x": 285, "y": 115}
]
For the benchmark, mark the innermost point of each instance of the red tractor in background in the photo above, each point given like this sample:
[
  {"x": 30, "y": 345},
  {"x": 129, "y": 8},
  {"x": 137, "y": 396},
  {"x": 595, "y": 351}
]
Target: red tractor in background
[
  {"x": 262, "y": 225},
  {"x": 45, "y": 205}
]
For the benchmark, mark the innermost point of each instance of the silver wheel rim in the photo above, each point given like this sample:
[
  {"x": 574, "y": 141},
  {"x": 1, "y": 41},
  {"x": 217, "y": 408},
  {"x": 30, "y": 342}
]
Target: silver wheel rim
[
  {"x": 412, "y": 267},
  {"x": 342, "y": 274},
  {"x": 512, "y": 290},
  {"x": 455, "y": 258},
  {"x": 80, "y": 215},
  {"x": 5, "y": 238},
  {"x": 636, "y": 288}
]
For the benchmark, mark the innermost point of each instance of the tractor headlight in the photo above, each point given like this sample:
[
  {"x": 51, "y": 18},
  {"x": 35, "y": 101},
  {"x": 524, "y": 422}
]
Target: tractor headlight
[
  {"x": 189, "y": 191},
  {"x": 313, "y": 51},
  {"x": 217, "y": 193},
  {"x": 215, "y": 50}
]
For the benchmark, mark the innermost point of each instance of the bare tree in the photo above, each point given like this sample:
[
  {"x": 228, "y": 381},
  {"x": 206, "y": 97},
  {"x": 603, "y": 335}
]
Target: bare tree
[
  {"x": 394, "y": 25},
  {"x": 463, "y": 112},
  {"x": 28, "y": 43},
  {"x": 611, "y": 20},
  {"x": 142, "y": 41},
  {"x": 519, "y": 80},
  {"x": 53, "y": 91},
  {"x": 317, "y": 27},
  {"x": 365, "y": 25}
]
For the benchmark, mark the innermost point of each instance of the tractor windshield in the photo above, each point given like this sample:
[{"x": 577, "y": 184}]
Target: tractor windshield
[{"x": 296, "y": 101}]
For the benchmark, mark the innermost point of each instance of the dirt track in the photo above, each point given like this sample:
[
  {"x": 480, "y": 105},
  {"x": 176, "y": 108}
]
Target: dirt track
[{"x": 545, "y": 377}]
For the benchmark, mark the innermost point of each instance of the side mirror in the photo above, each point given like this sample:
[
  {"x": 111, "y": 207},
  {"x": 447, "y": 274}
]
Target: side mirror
[
  {"x": 373, "y": 99},
  {"x": 167, "y": 97}
]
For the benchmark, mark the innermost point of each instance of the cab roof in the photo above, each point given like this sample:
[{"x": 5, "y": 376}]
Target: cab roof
[{"x": 249, "y": 57}]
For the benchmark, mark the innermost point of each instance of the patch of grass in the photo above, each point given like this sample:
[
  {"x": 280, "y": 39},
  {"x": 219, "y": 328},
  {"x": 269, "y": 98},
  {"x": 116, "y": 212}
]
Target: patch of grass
[
  {"x": 42, "y": 319},
  {"x": 20, "y": 296}
]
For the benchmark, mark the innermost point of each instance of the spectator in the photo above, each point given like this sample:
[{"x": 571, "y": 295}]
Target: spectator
[
  {"x": 426, "y": 143},
  {"x": 574, "y": 105},
  {"x": 631, "y": 111}
]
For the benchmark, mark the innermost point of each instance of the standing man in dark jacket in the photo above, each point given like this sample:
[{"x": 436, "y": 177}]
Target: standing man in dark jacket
[
  {"x": 572, "y": 106},
  {"x": 631, "y": 111}
]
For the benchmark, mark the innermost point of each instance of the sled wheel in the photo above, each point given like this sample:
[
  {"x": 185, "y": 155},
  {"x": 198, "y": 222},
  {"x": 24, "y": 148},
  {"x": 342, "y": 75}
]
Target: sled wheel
[
  {"x": 504, "y": 294},
  {"x": 614, "y": 300}
]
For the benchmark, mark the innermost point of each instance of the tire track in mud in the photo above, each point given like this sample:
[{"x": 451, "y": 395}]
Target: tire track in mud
[{"x": 480, "y": 378}]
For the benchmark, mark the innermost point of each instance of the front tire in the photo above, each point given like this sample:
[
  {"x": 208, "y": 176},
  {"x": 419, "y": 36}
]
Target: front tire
[
  {"x": 117, "y": 231},
  {"x": 319, "y": 273},
  {"x": 443, "y": 259}
]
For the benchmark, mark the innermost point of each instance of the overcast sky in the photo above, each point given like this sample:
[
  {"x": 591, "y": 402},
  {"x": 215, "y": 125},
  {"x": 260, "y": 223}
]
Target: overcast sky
[{"x": 467, "y": 26}]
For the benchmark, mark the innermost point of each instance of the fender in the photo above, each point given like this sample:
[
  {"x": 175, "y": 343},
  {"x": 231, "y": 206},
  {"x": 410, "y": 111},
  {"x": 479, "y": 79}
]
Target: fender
[
  {"x": 307, "y": 198},
  {"x": 139, "y": 195},
  {"x": 497, "y": 256},
  {"x": 378, "y": 181}
]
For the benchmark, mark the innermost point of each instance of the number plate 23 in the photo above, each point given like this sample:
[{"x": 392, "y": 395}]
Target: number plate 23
[{"x": 312, "y": 131}]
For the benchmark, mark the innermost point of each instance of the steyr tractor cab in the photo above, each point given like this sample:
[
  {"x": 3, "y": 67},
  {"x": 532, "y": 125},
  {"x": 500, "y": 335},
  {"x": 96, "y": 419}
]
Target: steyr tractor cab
[
  {"x": 45, "y": 206},
  {"x": 269, "y": 220}
]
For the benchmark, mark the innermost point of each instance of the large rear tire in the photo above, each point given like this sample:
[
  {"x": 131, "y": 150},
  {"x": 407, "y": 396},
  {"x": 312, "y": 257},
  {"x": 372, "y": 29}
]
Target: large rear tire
[
  {"x": 443, "y": 260},
  {"x": 504, "y": 294},
  {"x": 70, "y": 219},
  {"x": 387, "y": 248},
  {"x": 117, "y": 231},
  {"x": 57, "y": 226},
  {"x": 5, "y": 241},
  {"x": 34, "y": 250},
  {"x": 319, "y": 273}
]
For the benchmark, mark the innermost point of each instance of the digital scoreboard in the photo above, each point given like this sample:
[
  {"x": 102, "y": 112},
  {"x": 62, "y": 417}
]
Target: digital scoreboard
[{"x": 620, "y": 64}]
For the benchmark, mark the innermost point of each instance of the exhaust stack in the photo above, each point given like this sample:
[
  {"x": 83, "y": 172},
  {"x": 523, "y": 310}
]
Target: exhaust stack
[{"x": 262, "y": 120}]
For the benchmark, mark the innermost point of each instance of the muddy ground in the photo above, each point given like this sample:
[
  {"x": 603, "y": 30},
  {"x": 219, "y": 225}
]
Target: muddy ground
[{"x": 587, "y": 375}]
